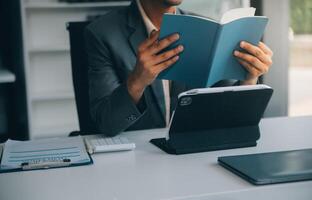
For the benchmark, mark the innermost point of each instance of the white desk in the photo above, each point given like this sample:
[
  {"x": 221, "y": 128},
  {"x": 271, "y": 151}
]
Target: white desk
[{"x": 148, "y": 173}]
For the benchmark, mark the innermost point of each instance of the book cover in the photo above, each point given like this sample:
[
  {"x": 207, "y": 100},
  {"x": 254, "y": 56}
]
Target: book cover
[{"x": 209, "y": 45}]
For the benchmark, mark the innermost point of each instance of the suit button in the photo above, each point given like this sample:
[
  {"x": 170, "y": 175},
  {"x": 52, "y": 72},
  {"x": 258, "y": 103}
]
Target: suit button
[{"x": 131, "y": 118}]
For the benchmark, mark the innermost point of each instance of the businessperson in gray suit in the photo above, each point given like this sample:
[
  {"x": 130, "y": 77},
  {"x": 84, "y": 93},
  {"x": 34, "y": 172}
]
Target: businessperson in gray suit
[{"x": 124, "y": 59}]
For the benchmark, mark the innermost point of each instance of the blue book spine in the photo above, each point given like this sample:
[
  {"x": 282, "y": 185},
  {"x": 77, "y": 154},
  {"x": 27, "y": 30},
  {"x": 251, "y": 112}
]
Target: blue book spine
[
  {"x": 197, "y": 35},
  {"x": 224, "y": 65}
]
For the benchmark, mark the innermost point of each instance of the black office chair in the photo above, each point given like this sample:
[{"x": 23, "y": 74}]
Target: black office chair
[{"x": 80, "y": 78}]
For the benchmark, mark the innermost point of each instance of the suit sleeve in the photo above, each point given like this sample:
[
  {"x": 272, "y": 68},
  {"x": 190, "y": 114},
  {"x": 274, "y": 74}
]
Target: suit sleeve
[{"x": 111, "y": 106}]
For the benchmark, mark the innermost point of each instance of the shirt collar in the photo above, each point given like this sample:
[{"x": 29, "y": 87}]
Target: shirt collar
[{"x": 147, "y": 21}]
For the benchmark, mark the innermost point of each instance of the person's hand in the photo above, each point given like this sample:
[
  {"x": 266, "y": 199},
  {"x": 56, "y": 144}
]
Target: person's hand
[
  {"x": 257, "y": 61},
  {"x": 150, "y": 63}
]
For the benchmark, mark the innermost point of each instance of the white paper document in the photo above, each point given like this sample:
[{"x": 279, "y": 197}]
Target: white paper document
[{"x": 44, "y": 150}]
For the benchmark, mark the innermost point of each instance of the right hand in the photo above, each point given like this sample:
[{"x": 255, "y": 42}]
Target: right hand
[{"x": 149, "y": 64}]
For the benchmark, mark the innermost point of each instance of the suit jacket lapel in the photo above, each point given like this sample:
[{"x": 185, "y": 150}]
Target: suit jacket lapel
[
  {"x": 136, "y": 27},
  {"x": 137, "y": 35}
]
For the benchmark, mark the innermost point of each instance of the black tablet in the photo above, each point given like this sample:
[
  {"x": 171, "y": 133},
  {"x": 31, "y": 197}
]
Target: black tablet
[
  {"x": 270, "y": 168},
  {"x": 216, "y": 118}
]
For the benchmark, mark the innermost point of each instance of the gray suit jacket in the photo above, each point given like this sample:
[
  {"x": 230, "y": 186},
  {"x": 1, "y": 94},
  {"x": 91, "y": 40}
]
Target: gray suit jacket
[{"x": 112, "y": 42}]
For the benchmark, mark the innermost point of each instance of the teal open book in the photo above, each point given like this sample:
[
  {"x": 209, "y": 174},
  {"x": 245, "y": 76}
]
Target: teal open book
[
  {"x": 43, "y": 154},
  {"x": 209, "y": 45}
]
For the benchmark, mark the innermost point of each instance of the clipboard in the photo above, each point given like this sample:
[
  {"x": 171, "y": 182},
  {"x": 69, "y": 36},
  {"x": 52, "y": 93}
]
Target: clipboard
[
  {"x": 44, "y": 168},
  {"x": 61, "y": 152}
]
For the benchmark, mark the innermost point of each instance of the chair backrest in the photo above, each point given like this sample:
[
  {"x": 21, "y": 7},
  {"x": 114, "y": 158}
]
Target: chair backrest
[{"x": 80, "y": 76}]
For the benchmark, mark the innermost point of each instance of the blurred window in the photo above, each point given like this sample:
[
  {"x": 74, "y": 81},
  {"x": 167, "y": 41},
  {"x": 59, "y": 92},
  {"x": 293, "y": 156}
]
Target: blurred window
[
  {"x": 212, "y": 8},
  {"x": 300, "y": 71}
]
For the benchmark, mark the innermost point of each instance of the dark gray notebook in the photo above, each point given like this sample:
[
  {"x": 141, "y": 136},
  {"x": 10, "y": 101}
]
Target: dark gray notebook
[{"x": 269, "y": 168}]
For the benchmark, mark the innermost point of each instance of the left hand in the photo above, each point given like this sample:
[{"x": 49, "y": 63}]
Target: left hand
[{"x": 257, "y": 61}]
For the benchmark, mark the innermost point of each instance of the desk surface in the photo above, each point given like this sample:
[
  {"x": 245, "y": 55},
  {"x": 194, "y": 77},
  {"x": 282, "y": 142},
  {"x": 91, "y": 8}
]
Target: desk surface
[{"x": 149, "y": 173}]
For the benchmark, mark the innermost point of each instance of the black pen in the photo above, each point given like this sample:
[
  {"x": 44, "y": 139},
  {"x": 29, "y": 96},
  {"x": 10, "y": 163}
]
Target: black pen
[{"x": 45, "y": 165}]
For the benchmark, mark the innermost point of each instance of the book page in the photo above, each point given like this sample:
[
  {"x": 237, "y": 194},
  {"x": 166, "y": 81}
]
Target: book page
[{"x": 238, "y": 13}]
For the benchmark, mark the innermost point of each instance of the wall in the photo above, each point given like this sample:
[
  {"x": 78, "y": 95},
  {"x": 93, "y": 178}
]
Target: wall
[{"x": 276, "y": 37}]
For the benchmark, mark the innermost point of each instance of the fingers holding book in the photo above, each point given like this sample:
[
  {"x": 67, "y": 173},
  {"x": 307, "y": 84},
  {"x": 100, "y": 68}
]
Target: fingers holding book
[
  {"x": 152, "y": 58},
  {"x": 257, "y": 60}
]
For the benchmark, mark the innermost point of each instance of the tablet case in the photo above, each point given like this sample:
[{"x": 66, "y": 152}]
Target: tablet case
[
  {"x": 215, "y": 121},
  {"x": 270, "y": 168}
]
